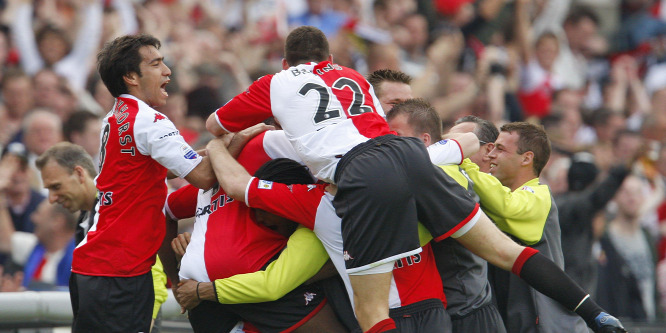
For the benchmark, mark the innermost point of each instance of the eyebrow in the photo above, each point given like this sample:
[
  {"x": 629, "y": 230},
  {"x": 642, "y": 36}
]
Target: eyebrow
[{"x": 160, "y": 59}]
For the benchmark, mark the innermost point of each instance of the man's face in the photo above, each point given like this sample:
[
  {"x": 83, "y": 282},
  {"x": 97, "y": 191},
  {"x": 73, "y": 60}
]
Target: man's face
[
  {"x": 154, "y": 77},
  {"x": 504, "y": 158},
  {"x": 274, "y": 222},
  {"x": 43, "y": 220},
  {"x": 393, "y": 93},
  {"x": 89, "y": 138},
  {"x": 400, "y": 125},
  {"x": 64, "y": 188},
  {"x": 41, "y": 135}
]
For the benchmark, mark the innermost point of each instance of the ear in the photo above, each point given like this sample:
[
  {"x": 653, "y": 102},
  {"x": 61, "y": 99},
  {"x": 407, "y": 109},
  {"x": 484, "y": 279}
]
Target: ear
[
  {"x": 285, "y": 64},
  {"x": 426, "y": 138},
  {"x": 330, "y": 58},
  {"x": 487, "y": 149},
  {"x": 131, "y": 79},
  {"x": 528, "y": 158},
  {"x": 80, "y": 173}
]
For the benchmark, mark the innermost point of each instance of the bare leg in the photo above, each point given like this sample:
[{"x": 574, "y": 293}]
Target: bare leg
[{"x": 371, "y": 294}]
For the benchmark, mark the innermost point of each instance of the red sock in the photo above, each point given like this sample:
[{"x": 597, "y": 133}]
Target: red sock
[{"x": 386, "y": 325}]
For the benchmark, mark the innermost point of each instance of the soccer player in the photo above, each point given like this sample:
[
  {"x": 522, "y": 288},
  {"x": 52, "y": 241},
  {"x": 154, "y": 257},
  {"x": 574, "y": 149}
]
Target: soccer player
[
  {"x": 336, "y": 124},
  {"x": 229, "y": 240},
  {"x": 138, "y": 146}
]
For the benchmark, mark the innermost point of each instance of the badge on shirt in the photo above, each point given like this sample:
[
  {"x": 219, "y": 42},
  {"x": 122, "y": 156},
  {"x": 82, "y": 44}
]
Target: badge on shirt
[
  {"x": 188, "y": 153},
  {"x": 265, "y": 184},
  {"x": 527, "y": 188},
  {"x": 442, "y": 142}
]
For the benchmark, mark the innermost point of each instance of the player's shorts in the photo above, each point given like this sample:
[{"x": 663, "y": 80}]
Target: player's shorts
[
  {"x": 111, "y": 304},
  {"x": 427, "y": 316},
  {"x": 285, "y": 314},
  {"x": 484, "y": 319},
  {"x": 386, "y": 185}
]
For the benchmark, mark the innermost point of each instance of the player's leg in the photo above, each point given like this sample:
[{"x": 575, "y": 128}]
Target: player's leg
[{"x": 378, "y": 223}]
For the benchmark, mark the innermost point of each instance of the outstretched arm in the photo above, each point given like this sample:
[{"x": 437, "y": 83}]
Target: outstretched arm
[{"x": 232, "y": 176}]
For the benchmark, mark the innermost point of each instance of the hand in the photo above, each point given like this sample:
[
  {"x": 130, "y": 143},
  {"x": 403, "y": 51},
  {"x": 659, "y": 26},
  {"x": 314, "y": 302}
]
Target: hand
[
  {"x": 186, "y": 294},
  {"x": 179, "y": 245},
  {"x": 241, "y": 138},
  {"x": 605, "y": 323}
]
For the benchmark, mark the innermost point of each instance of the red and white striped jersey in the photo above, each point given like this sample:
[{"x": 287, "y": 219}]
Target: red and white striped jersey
[
  {"x": 226, "y": 240},
  {"x": 325, "y": 110},
  {"x": 138, "y": 145},
  {"x": 415, "y": 278}
]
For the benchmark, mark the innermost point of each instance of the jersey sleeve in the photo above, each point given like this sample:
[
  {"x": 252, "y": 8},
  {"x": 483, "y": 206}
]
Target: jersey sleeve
[
  {"x": 303, "y": 257},
  {"x": 158, "y": 137},
  {"x": 445, "y": 152},
  {"x": 298, "y": 203},
  {"x": 182, "y": 203},
  {"x": 277, "y": 145},
  {"x": 248, "y": 108},
  {"x": 521, "y": 213}
]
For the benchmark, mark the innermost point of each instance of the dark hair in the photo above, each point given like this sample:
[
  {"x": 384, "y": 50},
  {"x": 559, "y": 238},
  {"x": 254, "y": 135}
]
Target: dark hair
[
  {"x": 485, "y": 130},
  {"x": 285, "y": 171},
  {"x": 420, "y": 115},
  {"x": 578, "y": 13},
  {"x": 582, "y": 171},
  {"x": 53, "y": 30},
  {"x": 121, "y": 57},
  {"x": 68, "y": 156},
  {"x": 305, "y": 44},
  {"x": 531, "y": 138},
  {"x": 76, "y": 123},
  {"x": 387, "y": 75}
]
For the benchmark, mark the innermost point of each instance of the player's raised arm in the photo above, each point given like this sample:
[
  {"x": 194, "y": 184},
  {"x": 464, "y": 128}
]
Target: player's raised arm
[
  {"x": 232, "y": 176},
  {"x": 213, "y": 126}
]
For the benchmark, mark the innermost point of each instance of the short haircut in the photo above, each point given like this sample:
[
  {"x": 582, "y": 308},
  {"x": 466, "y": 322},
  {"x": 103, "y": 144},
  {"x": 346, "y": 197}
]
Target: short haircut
[
  {"x": 14, "y": 74},
  {"x": 68, "y": 156},
  {"x": 531, "y": 138},
  {"x": 285, "y": 171},
  {"x": 421, "y": 116},
  {"x": 485, "y": 130},
  {"x": 76, "y": 123},
  {"x": 305, "y": 44},
  {"x": 121, "y": 57},
  {"x": 387, "y": 75},
  {"x": 41, "y": 114}
]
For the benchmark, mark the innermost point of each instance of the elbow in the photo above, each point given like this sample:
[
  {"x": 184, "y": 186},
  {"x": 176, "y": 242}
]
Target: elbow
[{"x": 213, "y": 127}]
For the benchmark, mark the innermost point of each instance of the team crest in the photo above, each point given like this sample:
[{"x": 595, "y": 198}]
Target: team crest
[
  {"x": 158, "y": 117},
  {"x": 527, "y": 188},
  {"x": 265, "y": 185},
  {"x": 188, "y": 153}
]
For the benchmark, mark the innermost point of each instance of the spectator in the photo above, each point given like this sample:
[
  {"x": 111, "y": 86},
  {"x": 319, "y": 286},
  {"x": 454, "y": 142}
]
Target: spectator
[
  {"x": 20, "y": 200},
  {"x": 83, "y": 128},
  {"x": 17, "y": 96}
]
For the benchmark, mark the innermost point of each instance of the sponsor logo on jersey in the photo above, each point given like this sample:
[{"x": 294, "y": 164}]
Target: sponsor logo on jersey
[
  {"x": 158, "y": 117},
  {"x": 174, "y": 133},
  {"x": 309, "y": 297},
  {"x": 442, "y": 142},
  {"x": 346, "y": 256},
  {"x": 407, "y": 261},
  {"x": 527, "y": 188},
  {"x": 265, "y": 185}
]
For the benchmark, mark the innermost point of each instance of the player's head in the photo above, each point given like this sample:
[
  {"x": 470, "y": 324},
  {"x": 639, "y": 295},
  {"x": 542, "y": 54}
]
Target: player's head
[
  {"x": 305, "y": 44},
  {"x": 528, "y": 143},
  {"x": 121, "y": 57},
  {"x": 285, "y": 171},
  {"x": 485, "y": 131},
  {"x": 416, "y": 118},
  {"x": 391, "y": 87},
  {"x": 67, "y": 172}
]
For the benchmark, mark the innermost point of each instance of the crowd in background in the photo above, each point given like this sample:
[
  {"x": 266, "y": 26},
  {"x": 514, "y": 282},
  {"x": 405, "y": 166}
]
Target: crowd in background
[{"x": 593, "y": 73}]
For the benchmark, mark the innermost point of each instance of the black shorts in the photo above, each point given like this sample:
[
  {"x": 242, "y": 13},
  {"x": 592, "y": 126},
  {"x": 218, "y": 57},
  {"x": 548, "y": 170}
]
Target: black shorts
[
  {"x": 285, "y": 314},
  {"x": 111, "y": 304},
  {"x": 484, "y": 319},
  {"x": 385, "y": 186},
  {"x": 427, "y": 316}
]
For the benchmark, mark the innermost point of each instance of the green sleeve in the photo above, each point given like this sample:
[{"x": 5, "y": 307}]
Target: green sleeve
[
  {"x": 521, "y": 213},
  {"x": 159, "y": 283},
  {"x": 303, "y": 257}
]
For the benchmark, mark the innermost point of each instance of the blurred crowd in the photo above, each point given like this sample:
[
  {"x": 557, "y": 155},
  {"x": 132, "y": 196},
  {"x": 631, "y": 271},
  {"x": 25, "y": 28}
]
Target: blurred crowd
[{"x": 592, "y": 72}]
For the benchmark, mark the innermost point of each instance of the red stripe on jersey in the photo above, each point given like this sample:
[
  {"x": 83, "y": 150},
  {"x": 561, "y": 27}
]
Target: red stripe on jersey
[
  {"x": 460, "y": 225},
  {"x": 527, "y": 253},
  {"x": 133, "y": 193},
  {"x": 183, "y": 202},
  {"x": 382, "y": 326},
  {"x": 462, "y": 155},
  {"x": 296, "y": 202},
  {"x": 371, "y": 125},
  {"x": 307, "y": 318},
  {"x": 417, "y": 278},
  {"x": 248, "y": 108}
]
